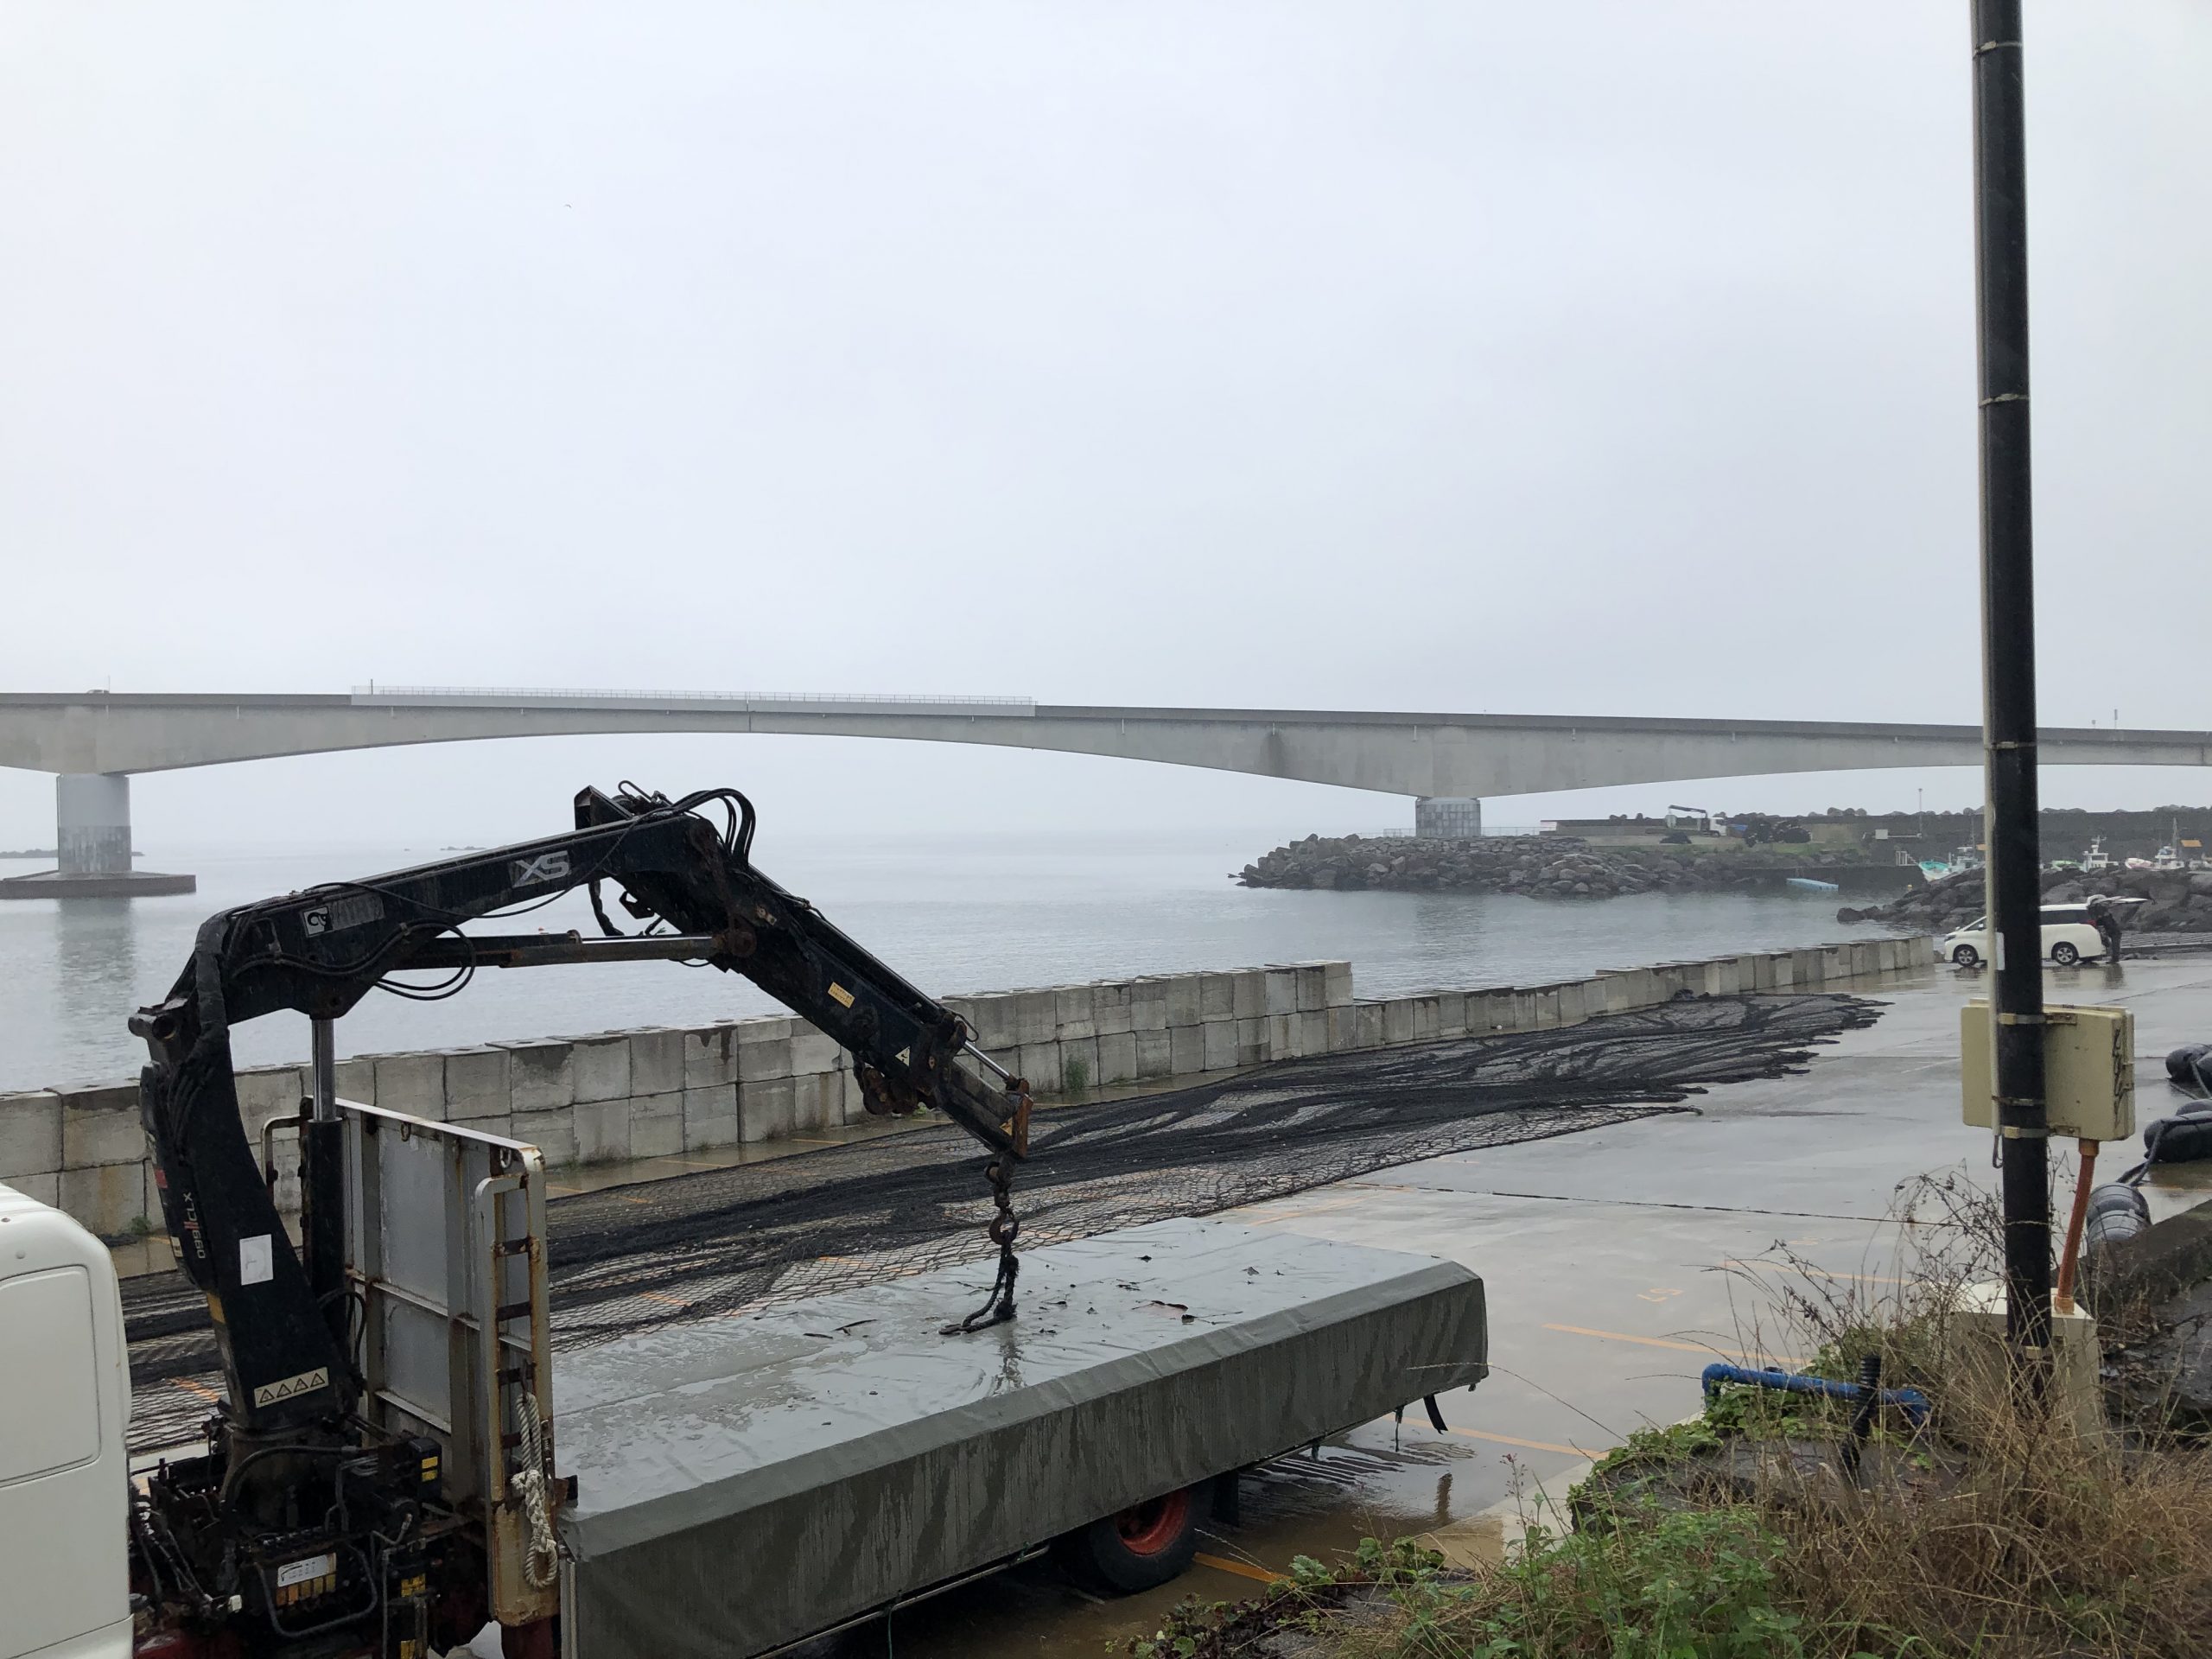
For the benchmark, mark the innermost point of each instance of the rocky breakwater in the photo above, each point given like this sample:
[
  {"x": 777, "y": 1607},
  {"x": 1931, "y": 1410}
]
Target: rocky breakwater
[
  {"x": 2174, "y": 901},
  {"x": 1537, "y": 867}
]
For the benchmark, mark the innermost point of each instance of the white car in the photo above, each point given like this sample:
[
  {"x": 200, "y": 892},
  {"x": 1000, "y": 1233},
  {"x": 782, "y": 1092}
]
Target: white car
[{"x": 2068, "y": 937}]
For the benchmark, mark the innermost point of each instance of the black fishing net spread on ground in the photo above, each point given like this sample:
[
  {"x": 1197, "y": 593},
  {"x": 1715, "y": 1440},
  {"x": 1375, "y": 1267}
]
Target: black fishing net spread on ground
[{"x": 655, "y": 1253}]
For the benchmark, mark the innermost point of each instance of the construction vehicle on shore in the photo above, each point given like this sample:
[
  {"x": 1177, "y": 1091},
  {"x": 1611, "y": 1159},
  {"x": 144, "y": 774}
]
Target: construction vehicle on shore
[{"x": 397, "y": 1460}]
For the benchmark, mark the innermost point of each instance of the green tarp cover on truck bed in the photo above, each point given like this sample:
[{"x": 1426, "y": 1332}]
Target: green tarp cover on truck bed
[{"x": 744, "y": 1481}]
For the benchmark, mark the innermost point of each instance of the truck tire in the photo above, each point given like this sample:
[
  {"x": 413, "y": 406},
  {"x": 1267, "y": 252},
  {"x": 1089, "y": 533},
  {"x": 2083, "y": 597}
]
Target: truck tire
[{"x": 1144, "y": 1547}]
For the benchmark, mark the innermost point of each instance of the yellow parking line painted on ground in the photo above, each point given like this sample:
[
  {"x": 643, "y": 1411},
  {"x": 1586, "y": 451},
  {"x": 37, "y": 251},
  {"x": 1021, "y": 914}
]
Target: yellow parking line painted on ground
[
  {"x": 199, "y": 1388},
  {"x": 1532, "y": 1445},
  {"x": 1711, "y": 1349},
  {"x": 1786, "y": 1269},
  {"x": 1243, "y": 1569},
  {"x": 1313, "y": 1209}
]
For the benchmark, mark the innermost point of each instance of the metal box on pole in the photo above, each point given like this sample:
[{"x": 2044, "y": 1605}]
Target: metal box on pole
[{"x": 2088, "y": 1056}]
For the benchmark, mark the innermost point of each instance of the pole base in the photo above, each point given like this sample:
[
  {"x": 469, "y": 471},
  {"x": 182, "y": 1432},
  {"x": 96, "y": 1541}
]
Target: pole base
[{"x": 131, "y": 884}]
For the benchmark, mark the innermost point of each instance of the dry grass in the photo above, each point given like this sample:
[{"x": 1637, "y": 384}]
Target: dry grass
[{"x": 1996, "y": 1531}]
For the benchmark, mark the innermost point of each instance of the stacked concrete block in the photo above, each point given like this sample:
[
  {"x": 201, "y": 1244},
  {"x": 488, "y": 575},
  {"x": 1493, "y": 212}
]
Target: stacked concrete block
[
  {"x": 656, "y": 1063},
  {"x": 1078, "y": 1065},
  {"x": 657, "y": 1125},
  {"x": 601, "y": 1067},
  {"x": 1249, "y": 993},
  {"x": 1186, "y": 1050},
  {"x": 104, "y": 1180},
  {"x": 660, "y": 1093},
  {"x": 767, "y": 1108},
  {"x": 553, "y": 1133},
  {"x": 1038, "y": 1065},
  {"x": 1076, "y": 1012},
  {"x": 541, "y": 1077},
  {"x": 1149, "y": 1003},
  {"x": 1344, "y": 1029},
  {"x": 817, "y": 1100},
  {"x": 709, "y": 1116},
  {"x": 987, "y": 1020},
  {"x": 30, "y": 1143},
  {"x": 356, "y": 1081},
  {"x": 602, "y": 1127},
  {"x": 811, "y": 1052},
  {"x": 1112, "y": 1005},
  {"x": 1368, "y": 1023},
  {"x": 1574, "y": 1002},
  {"x": 1217, "y": 999},
  {"x": 463, "y": 1085},
  {"x": 1036, "y": 1017},
  {"x": 1117, "y": 1057},
  {"x": 1450, "y": 1014}
]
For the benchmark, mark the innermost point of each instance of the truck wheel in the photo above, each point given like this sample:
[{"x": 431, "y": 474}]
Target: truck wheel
[
  {"x": 1142, "y": 1548},
  {"x": 2064, "y": 954},
  {"x": 1967, "y": 956}
]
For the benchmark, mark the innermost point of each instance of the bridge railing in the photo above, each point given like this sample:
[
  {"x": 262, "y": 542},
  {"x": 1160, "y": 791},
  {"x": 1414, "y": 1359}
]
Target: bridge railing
[{"x": 514, "y": 695}]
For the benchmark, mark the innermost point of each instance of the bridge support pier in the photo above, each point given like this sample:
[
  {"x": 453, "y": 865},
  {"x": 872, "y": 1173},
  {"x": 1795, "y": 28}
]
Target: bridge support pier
[
  {"x": 92, "y": 835},
  {"x": 1447, "y": 818}
]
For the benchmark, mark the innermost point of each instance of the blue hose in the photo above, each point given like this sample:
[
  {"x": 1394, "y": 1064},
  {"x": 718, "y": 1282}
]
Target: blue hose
[{"x": 1911, "y": 1401}]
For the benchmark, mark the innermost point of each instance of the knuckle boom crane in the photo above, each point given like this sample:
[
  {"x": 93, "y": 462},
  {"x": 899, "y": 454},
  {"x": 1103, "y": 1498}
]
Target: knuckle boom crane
[{"x": 291, "y": 1467}]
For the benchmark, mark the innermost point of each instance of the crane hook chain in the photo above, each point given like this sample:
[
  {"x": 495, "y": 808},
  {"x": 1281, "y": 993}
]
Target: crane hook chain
[{"x": 1005, "y": 1228}]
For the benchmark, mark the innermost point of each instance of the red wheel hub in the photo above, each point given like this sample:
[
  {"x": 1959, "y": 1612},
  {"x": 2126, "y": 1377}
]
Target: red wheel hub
[{"x": 1152, "y": 1526}]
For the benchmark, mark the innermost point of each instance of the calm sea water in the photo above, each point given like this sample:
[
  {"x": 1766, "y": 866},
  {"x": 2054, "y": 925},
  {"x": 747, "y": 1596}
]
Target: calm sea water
[{"x": 974, "y": 914}]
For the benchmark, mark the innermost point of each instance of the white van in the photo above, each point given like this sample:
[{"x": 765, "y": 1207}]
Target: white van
[{"x": 2069, "y": 937}]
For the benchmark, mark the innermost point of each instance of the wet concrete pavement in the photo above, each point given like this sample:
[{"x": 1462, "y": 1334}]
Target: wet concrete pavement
[{"x": 1618, "y": 1264}]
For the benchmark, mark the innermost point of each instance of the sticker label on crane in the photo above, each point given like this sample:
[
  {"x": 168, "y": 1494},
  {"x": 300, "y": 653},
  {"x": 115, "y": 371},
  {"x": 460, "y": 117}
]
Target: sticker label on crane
[
  {"x": 306, "y": 1382},
  {"x": 546, "y": 867},
  {"x": 840, "y": 995},
  {"x": 256, "y": 1265},
  {"x": 341, "y": 913},
  {"x": 316, "y": 1566}
]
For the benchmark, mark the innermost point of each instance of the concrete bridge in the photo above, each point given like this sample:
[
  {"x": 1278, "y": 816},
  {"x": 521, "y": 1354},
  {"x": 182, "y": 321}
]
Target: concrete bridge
[{"x": 94, "y": 741}]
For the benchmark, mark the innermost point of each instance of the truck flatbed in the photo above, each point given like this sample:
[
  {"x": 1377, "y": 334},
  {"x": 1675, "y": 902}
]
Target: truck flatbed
[{"x": 747, "y": 1481}]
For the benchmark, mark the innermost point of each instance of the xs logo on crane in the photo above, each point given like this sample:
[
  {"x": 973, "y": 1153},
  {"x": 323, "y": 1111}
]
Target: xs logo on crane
[{"x": 546, "y": 867}]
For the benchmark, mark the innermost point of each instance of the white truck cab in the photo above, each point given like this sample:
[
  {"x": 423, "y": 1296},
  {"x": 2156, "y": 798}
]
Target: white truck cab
[{"x": 65, "y": 1476}]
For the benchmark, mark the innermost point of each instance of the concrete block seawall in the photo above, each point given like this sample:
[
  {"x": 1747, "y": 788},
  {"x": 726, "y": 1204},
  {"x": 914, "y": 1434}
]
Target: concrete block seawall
[{"x": 616, "y": 1096}]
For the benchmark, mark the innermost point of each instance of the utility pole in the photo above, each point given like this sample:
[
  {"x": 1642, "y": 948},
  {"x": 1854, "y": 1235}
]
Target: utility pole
[{"x": 2008, "y": 657}]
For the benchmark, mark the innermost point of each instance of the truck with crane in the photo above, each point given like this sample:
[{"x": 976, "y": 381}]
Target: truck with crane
[{"x": 401, "y": 1455}]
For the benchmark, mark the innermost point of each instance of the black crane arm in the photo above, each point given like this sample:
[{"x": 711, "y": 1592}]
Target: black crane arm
[{"x": 319, "y": 952}]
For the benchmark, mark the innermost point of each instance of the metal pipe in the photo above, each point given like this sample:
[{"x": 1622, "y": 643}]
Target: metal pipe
[
  {"x": 2071, "y": 1254},
  {"x": 558, "y": 950},
  {"x": 322, "y": 1185},
  {"x": 323, "y": 1046},
  {"x": 1911, "y": 1401},
  {"x": 2008, "y": 655},
  {"x": 983, "y": 1059}
]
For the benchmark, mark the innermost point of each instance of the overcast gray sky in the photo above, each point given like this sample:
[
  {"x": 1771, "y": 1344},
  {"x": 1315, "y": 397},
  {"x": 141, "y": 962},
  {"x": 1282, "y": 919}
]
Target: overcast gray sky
[{"x": 1602, "y": 359}]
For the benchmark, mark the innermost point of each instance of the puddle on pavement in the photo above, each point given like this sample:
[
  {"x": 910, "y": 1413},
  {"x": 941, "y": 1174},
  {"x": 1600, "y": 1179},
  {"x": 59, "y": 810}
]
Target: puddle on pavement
[{"x": 1360, "y": 1485}]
